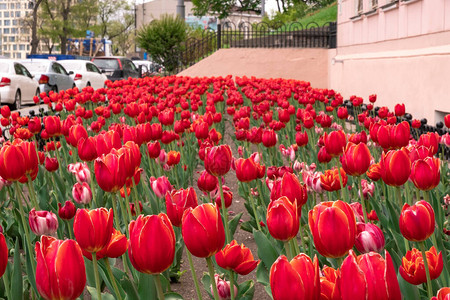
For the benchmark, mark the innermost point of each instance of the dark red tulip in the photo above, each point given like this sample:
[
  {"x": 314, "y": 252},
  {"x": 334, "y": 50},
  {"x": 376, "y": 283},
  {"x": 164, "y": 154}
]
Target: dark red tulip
[
  {"x": 335, "y": 142},
  {"x": 177, "y": 201},
  {"x": 218, "y": 160}
]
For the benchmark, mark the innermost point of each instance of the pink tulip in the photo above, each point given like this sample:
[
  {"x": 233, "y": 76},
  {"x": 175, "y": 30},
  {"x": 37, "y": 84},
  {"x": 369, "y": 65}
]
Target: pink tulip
[
  {"x": 369, "y": 237},
  {"x": 43, "y": 222},
  {"x": 81, "y": 171},
  {"x": 81, "y": 193},
  {"x": 160, "y": 185},
  {"x": 223, "y": 288}
]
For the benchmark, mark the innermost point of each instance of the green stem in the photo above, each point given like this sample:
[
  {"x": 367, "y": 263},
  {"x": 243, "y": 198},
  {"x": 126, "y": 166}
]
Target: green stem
[
  {"x": 255, "y": 212},
  {"x": 159, "y": 287},
  {"x": 426, "y": 196},
  {"x": 301, "y": 241},
  {"x": 288, "y": 250},
  {"x": 113, "y": 279},
  {"x": 363, "y": 203},
  {"x": 32, "y": 192},
  {"x": 213, "y": 279},
  {"x": 398, "y": 194},
  {"x": 94, "y": 200},
  {"x": 427, "y": 270},
  {"x": 343, "y": 191},
  {"x": 97, "y": 278},
  {"x": 232, "y": 285},
  {"x": 116, "y": 215},
  {"x": 69, "y": 227},
  {"x": 134, "y": 194},
  {"x": 7, "y": 287},
  {"x": 127, "y": 204},
  {"x": 124, "y": 215},
  {"x": 194, "y": 274},
  {"x": 224, "y": 212}
]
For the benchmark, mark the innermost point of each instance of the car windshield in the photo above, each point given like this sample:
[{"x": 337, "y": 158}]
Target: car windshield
[
  {"x": 71, "y": 66},
  {"x": 107, "y": 63},
  {"x": 34, "y": 66},
  {"x": 4, "y": 67}
]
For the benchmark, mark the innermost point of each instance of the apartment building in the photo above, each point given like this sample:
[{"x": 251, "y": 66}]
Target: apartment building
[{"x": 14, "y": 37}]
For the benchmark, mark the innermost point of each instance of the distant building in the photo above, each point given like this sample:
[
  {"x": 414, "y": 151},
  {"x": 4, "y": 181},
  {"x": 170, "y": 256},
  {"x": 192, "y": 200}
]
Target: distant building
[
  {"x": 398, "y": 49},
  {"x": 14, "y": 37}
]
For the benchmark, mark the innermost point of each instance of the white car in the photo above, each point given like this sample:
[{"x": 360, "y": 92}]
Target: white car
[
  {"x": 17, "y": 86},
  {"x": 85, "y": 73},
  {"x": 149, "y": 68}
]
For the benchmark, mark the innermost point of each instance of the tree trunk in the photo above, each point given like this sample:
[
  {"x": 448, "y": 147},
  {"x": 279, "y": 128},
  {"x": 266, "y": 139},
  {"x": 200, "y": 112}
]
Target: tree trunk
[{"x": 34, "y": 39}]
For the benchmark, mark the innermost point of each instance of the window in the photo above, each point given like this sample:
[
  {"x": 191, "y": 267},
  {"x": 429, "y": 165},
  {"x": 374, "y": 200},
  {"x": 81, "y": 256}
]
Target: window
[
  {"x": 14, "y": 22},
  {"x": 5, "y": 39},
  {"x": 374, "y": 3},
  {"x": 18, "y": 69},
  {"x": 19, "y": 55},
  {"x": 18, "y": 14},
  {"x": 14, "y": 30},
  {"x": 12, "y": 39},
  {"x": 6, "y": 30},
  {"x": 359, "y": 6},
  {"x": 15, "y": 47},
  {"x": 92, "y": 68},
  {"x": 22, "y": 47},
  {"x": 6, "y": 14},
  {"x": 17, "y": 5},
  {"x": 2, "y": 5},
  {"x": 6, "y": 22}
]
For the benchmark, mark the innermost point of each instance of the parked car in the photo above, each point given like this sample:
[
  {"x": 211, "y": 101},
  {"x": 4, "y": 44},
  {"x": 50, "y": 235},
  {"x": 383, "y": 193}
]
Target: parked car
[
  {"x": 85, "y": 73},
  {"x": 17, "y": 85},
  {"x": 149, "y": 68},
  {"x": 50, "y": 74},
  {"x": 117, "y": 67}
]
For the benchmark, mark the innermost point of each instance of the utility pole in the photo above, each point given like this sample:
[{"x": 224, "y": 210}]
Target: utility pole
[{"x": 181, "y": 9}]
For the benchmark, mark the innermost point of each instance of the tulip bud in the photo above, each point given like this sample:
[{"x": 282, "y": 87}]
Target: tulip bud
[
  {"x": 369, "y": 237},
  {"x": 223, "y": 288},
  {"x": 82, "y": 193},
  {"x": 236, "y": 258},
  {"x": 51, "y": 164},
  {"x": 207, "y": 182},
  {"x": 67, "y": 212},
  {"x": 283, "y": 219},
  {"x": 42, "y": 222},
  {"x": 81, "y": 171},
  {"x": 160, "y": 186}
]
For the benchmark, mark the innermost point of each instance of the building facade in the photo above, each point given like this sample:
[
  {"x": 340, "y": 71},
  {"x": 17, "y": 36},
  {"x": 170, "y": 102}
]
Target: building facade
[
  {"x": 397, "y": 49},
  {"x": 15, "y": 38}
]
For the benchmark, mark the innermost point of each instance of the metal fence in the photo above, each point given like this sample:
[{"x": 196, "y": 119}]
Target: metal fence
[{"x": 256, "y": 35}]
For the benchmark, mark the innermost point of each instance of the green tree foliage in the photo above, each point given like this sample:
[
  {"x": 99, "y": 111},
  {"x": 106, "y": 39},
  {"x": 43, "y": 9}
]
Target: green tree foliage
[
  {"x": 163, "y": 39},
  {"x": 223, "y": 8}
]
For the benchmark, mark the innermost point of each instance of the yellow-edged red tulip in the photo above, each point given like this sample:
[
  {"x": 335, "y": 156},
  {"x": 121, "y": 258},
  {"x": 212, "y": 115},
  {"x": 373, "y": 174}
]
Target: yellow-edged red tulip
[
  {"x": 413, "y": 268},
  {"x": 152, "y": 243},
  {"x": 110, "y": 171},
  {"x": 335, "y": 142},
  {"x": 425, "y": 173},
  {"x": 327, "y": 220},
  {"x": 237, "y": 258},
  {"x": 290, "y": 186},
  {"x": 203, "y": 231},
  {"x": 297, "y": 279},
  {"x": 177, "y": 201},
  {"x": 282, "y": 219},
  {"x": 218, "y": 160},
  {"x": 60, "y": 270},
  {"x": 369, "y": 277},
  {"x": 417, "y": 222},
  {"x": 356, "y": 159},
  {"x": 395, "y": 167},
  {"x": 329, "y": 288},
  {"x": 330, "y": 180},
  {"x": 93, "y": 228}
]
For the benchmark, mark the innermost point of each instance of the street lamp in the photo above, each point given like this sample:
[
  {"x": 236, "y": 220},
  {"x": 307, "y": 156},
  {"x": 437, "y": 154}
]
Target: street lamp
[{"x": 181, "y": 9}]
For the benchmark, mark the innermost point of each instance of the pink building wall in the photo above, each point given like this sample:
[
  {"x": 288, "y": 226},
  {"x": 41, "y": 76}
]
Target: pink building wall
[{"x": 399, "y": 50}]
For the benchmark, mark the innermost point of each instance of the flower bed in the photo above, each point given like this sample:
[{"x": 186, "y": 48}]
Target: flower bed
[{"x": 99, "y": 195}]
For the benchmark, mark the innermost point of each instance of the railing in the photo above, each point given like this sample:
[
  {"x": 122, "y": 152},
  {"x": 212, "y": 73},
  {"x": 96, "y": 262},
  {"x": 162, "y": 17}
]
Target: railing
[{"x": 256, "y": 35}]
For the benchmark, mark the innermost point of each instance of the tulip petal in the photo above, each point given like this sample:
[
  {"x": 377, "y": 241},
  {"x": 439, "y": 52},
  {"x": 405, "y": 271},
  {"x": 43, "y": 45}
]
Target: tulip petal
[{"x": 353, "y": 283}]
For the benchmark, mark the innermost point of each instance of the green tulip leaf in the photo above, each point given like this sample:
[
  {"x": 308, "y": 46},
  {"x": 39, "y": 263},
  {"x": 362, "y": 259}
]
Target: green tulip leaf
[
  {"x": 266, "y": 251},
  {"x": 93, "y": 292},
  {"x": 206, "y": 281},
  {"x": 262, "y": 274},
  {"x": 17, "y": 283},
  {"x": 146, "y": 287},
  {"x": 246, "y": 290},
  {"x": 233, "y": 223},
  {"x": 409, "y": 291}
]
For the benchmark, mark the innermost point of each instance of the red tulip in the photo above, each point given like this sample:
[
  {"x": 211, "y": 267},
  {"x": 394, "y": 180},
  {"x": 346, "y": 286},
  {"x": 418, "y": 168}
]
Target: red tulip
[
  {"x": 87, "y": 150},
  {"x": 108, "y": 141},
  {"x": 42, "y": 222},
  {"x": 52, "y": 125},
  {"x": 369, "y": 237},
  {"x": 201, "y": 130},
  {"x": 413, "y": 268},
  {"x": 283, "y": 219},
  {"x": 335, "y": 142},
  {"x": 51, "y": 164},
  {"x": 34, "y": 125},
  {"x": 399, "y": 110},
  {"x": 152, "y": 243},
  {"x": 153, "y": 148},
  {"x": 3, "y": 254},
  {"x": 110, "y": 172},
  {"x": 323, "y": 156},
  {"x": 301, "y": 138},
  {"x": 447, "y": 120},
  {"x": 329, "y": 288},
  {"x": 297, "y": 279},
  {"x": 393, "y": 136},
  {"x": 227, "y": 194},
  {"x": 60, "y": 270},
  {"x": 93, "y": 228},
  {"x": 66, "y": 212},
  {"x": 328, "y": 220},
  {"x": 269, "y": 138},
  {"x": 369, "y": 277},
  {"x": 177, "y": 201},
  {"x": 76, "y": 133},
  {"x": 5, "y": 111},
  {"x": 374, "y": 172},
  {"x": 342, "y": 113},
  {"x": 417, "y": 222},
  {"x": 173, "y": 158},
  {"x": 223, "y": 288},
  {"x": 207, "y": 182},
  {"x": 203, "y": 231},
  {"x": 356, "y": 159},
  {"x": 330, "y": 180},
  {"x": 425, "y": 173},
  {"x": 290, "y": 186},
  {"x": 117, "y": 246},
  {"x": 248, "y": 170},
  {"x": 431, "y": 141},
  {"x": 395, "y": 167},
  {"x": 443, "y": 293},
  {"x": 236, "y": 258},
  {"x": 166, "y": 117},
  {"x": 218, "y": 160}
]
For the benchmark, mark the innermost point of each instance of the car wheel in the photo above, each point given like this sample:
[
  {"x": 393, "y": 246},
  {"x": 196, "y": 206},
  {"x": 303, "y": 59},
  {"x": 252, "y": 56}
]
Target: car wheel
[
  {"x": 17, "y": 100},
  {"x": 55, "y": 89},
  {"x": 88, "y": 84}
]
